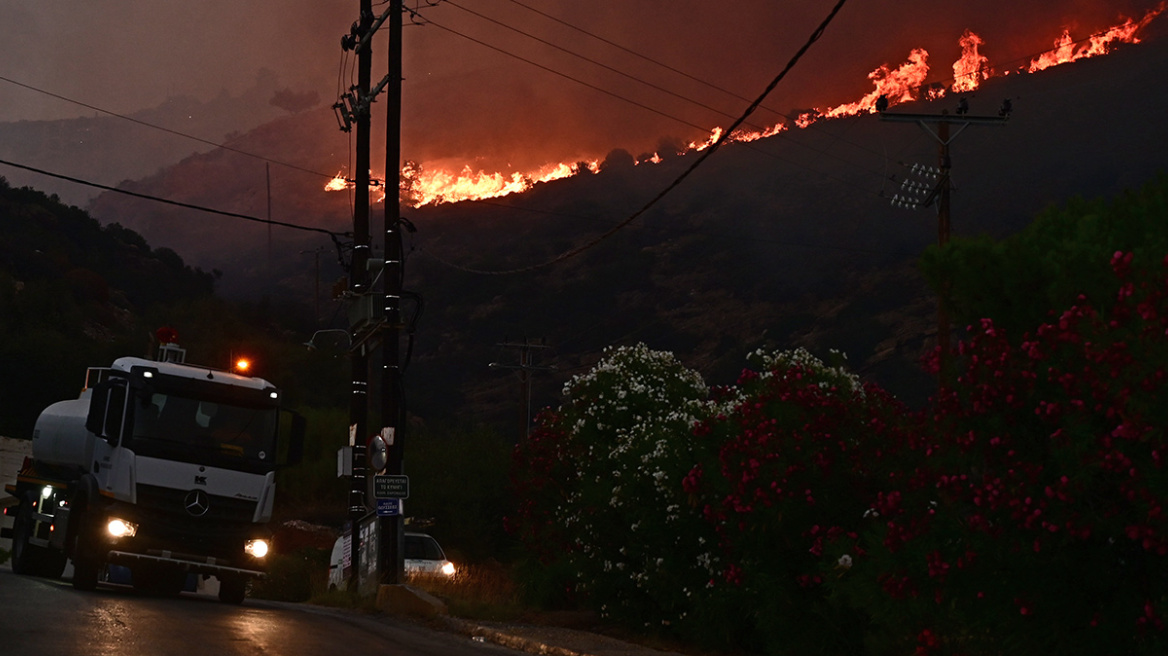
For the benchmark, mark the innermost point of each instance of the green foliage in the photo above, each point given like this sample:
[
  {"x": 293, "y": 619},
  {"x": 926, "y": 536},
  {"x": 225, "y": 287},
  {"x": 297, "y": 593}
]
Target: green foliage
[
  {"x": 1017, "y": 281},
  {"x": 790, "y": 463},
  {"x": 599, "y": 489},
  {"x": 293, "y": 577},
  {"x": 71, "y": 294},
  {"x": 1035, "y": 518},
  {"x": 1023, "y": 512},
  {"x": 311, "y": 489},
  {"x": 459, "y": 488}
]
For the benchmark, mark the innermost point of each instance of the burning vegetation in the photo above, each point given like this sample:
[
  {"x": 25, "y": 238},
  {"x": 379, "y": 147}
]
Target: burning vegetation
[{"x": 905, "y": 83}]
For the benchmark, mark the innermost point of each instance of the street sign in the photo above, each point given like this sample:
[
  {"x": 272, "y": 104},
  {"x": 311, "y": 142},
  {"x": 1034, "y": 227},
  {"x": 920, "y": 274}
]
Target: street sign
[
  {"x": 389, "y": 507},
  {"x": 391, "y": 487}
]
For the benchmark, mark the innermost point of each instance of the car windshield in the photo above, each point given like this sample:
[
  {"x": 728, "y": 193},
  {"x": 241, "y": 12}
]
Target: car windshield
[
  {"x": 423, "y": 547},
  {"x": 178, "y": 424}
]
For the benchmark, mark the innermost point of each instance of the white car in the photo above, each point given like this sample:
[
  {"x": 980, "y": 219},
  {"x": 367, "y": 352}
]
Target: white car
[{"x": 423, "y": 556}]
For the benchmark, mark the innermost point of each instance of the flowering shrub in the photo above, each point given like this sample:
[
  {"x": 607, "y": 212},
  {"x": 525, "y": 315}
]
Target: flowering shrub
[
  {"x": 791, "y": 464},
  {"x": 1034, "y": 522},
  {"x": 801, "y": 512},
  {"x": 600, "y": 486}
]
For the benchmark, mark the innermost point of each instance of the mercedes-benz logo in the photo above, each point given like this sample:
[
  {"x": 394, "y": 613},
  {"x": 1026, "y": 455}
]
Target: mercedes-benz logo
[{"x": 197, "y": 503}]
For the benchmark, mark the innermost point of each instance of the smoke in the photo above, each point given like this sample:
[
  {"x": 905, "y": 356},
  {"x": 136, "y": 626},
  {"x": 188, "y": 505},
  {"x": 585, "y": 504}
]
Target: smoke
[{"x": 466, "y": 102}]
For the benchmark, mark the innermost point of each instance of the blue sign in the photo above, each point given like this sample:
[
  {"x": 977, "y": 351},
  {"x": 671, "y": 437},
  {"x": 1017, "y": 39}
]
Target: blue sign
[{"x": 388, "y": 507}]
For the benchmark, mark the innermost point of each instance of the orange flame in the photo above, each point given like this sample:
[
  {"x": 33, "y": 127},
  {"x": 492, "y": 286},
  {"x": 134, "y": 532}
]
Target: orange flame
[
  {"x": 1065, "y": 51},
  {"x": 898, "y": 86},
  {"x": 338, "y": 183},
  {"x": 425, "y": 187},
  {"x": 972, "y": 68},
  {"x": 905, "y": 83}
]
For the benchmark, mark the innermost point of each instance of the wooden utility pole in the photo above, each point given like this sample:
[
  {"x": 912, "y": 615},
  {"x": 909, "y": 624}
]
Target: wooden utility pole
[
  {"x": 391, "y": 545},
  {"x": 358, "y": 287},
  {"x": 354, "y": 109},
  {"x": 375, "y": 319},
  {"x": 941, "y": 195},
  {"x": 525, "y": 367}
]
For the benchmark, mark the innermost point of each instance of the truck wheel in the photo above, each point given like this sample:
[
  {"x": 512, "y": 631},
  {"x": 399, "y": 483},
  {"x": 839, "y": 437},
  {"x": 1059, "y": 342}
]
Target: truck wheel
[
  {"x": 232, "y": 589},
  {"x": 86, "y": 564},
  {"x": 25, "y": 557}
]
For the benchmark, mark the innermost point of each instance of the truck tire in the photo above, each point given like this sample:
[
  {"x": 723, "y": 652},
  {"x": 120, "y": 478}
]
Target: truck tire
[
  {"x": 232, "y": 589},
  {"x": 86, "y": 562},
  {"x": 29, "y": 559},
  {"x": 25, "y": 557}
]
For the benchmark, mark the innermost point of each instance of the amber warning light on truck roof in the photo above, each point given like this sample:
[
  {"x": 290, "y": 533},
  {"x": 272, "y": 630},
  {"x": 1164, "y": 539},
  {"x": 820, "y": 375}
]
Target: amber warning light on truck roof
[{"x": 242, "y": 366}]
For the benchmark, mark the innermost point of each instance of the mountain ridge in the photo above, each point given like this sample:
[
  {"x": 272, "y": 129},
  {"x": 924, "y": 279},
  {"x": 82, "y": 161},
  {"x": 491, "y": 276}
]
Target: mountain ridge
[{"x": 771, "y": 244}]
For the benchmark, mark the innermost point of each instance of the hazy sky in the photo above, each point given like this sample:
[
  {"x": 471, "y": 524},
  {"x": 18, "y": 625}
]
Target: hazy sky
[{"x": 463, "y": 100}]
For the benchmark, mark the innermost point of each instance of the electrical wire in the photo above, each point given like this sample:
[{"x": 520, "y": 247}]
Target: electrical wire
[
  {"x": 651, "y": 85},
  {"x": 694, "y": 78},
  {"x": 127, "y": 192},
  {"x": 751, "y": 145},
  {"x": 430, "y": 21},
  {"x": 594, "y": 62},
  {"x": 177, "y": 133},
  {"x": 815, "y": 36}
]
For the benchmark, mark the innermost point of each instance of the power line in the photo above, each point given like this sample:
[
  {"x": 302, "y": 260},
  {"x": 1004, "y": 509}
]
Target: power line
[
  {"x": 594, "y": 62},
  {"x": 704, "y": 129},
  {"x": 640, "y": 55},
  {"x": 694, "y": 78},
  {"x": 127, "y": 192},
  {"x": 162, "y": 128},
  {"x": 430, "y": 21},
  {"x": 664, "y": 90},
  {"x": 815, "y": 36}
]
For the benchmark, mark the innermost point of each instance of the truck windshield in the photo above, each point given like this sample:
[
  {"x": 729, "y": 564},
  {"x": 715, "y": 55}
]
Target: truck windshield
[{"x": 204, "y": 430}]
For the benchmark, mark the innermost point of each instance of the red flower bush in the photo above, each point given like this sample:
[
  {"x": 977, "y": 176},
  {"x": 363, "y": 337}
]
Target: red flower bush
[
  {"x": 794, "y": 458},
  {"x": 1036, "y": 520},
  {"x": 1022, "y": 512}
]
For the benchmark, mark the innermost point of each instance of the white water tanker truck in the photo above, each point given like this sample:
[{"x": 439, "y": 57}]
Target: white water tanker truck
[{"x": 162, "y": 467}]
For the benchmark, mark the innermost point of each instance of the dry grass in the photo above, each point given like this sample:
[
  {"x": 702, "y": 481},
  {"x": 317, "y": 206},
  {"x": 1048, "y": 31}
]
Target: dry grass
[{"x": 483, "y": 592}]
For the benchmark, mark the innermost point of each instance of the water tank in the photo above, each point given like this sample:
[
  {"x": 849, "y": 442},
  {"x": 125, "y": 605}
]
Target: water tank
[{"x": 60, "y": 437}]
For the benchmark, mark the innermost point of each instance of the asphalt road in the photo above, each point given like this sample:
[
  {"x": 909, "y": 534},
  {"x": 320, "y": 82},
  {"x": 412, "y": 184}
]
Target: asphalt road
[{"x": 39, "y": 617}]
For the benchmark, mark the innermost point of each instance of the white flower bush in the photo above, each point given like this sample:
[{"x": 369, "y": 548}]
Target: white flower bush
[{"x": 633, "y": 414}]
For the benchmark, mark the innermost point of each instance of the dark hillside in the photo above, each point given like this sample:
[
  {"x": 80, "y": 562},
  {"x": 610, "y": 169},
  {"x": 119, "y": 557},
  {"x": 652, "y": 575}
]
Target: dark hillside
[
  {"x": 779, "y": 243},
  {"x": 72, "y": 294}
]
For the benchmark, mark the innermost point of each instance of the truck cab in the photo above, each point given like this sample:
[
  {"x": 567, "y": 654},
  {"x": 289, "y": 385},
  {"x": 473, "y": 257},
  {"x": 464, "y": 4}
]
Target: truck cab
[{"x": 160, "y": 466}]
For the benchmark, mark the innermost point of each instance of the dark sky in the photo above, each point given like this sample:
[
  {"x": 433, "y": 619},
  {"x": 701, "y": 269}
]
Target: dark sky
[{"x": 464, "y": 102}]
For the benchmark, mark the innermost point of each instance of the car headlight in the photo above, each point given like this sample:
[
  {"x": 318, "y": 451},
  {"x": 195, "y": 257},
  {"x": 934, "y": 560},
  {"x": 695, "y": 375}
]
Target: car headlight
[
  {"x": 448, "y": 568},
  {"x": 120, "y": 528},
  {"x": 256, "y": 548}
]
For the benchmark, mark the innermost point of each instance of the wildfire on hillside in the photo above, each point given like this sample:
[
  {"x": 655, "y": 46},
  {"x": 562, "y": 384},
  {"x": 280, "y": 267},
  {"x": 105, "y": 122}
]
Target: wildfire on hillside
[
  {"x": 905, "y": 83},
  {"x": 1067, "y": 50}
]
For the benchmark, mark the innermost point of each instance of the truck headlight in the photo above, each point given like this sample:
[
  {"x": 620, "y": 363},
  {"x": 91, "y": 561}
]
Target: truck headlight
[
  {"x": 120, "y": 528},
  {"x": 256, "y": 548}
]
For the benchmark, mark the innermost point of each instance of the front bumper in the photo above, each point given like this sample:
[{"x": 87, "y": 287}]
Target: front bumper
[{"x": 188, "y": 563}]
